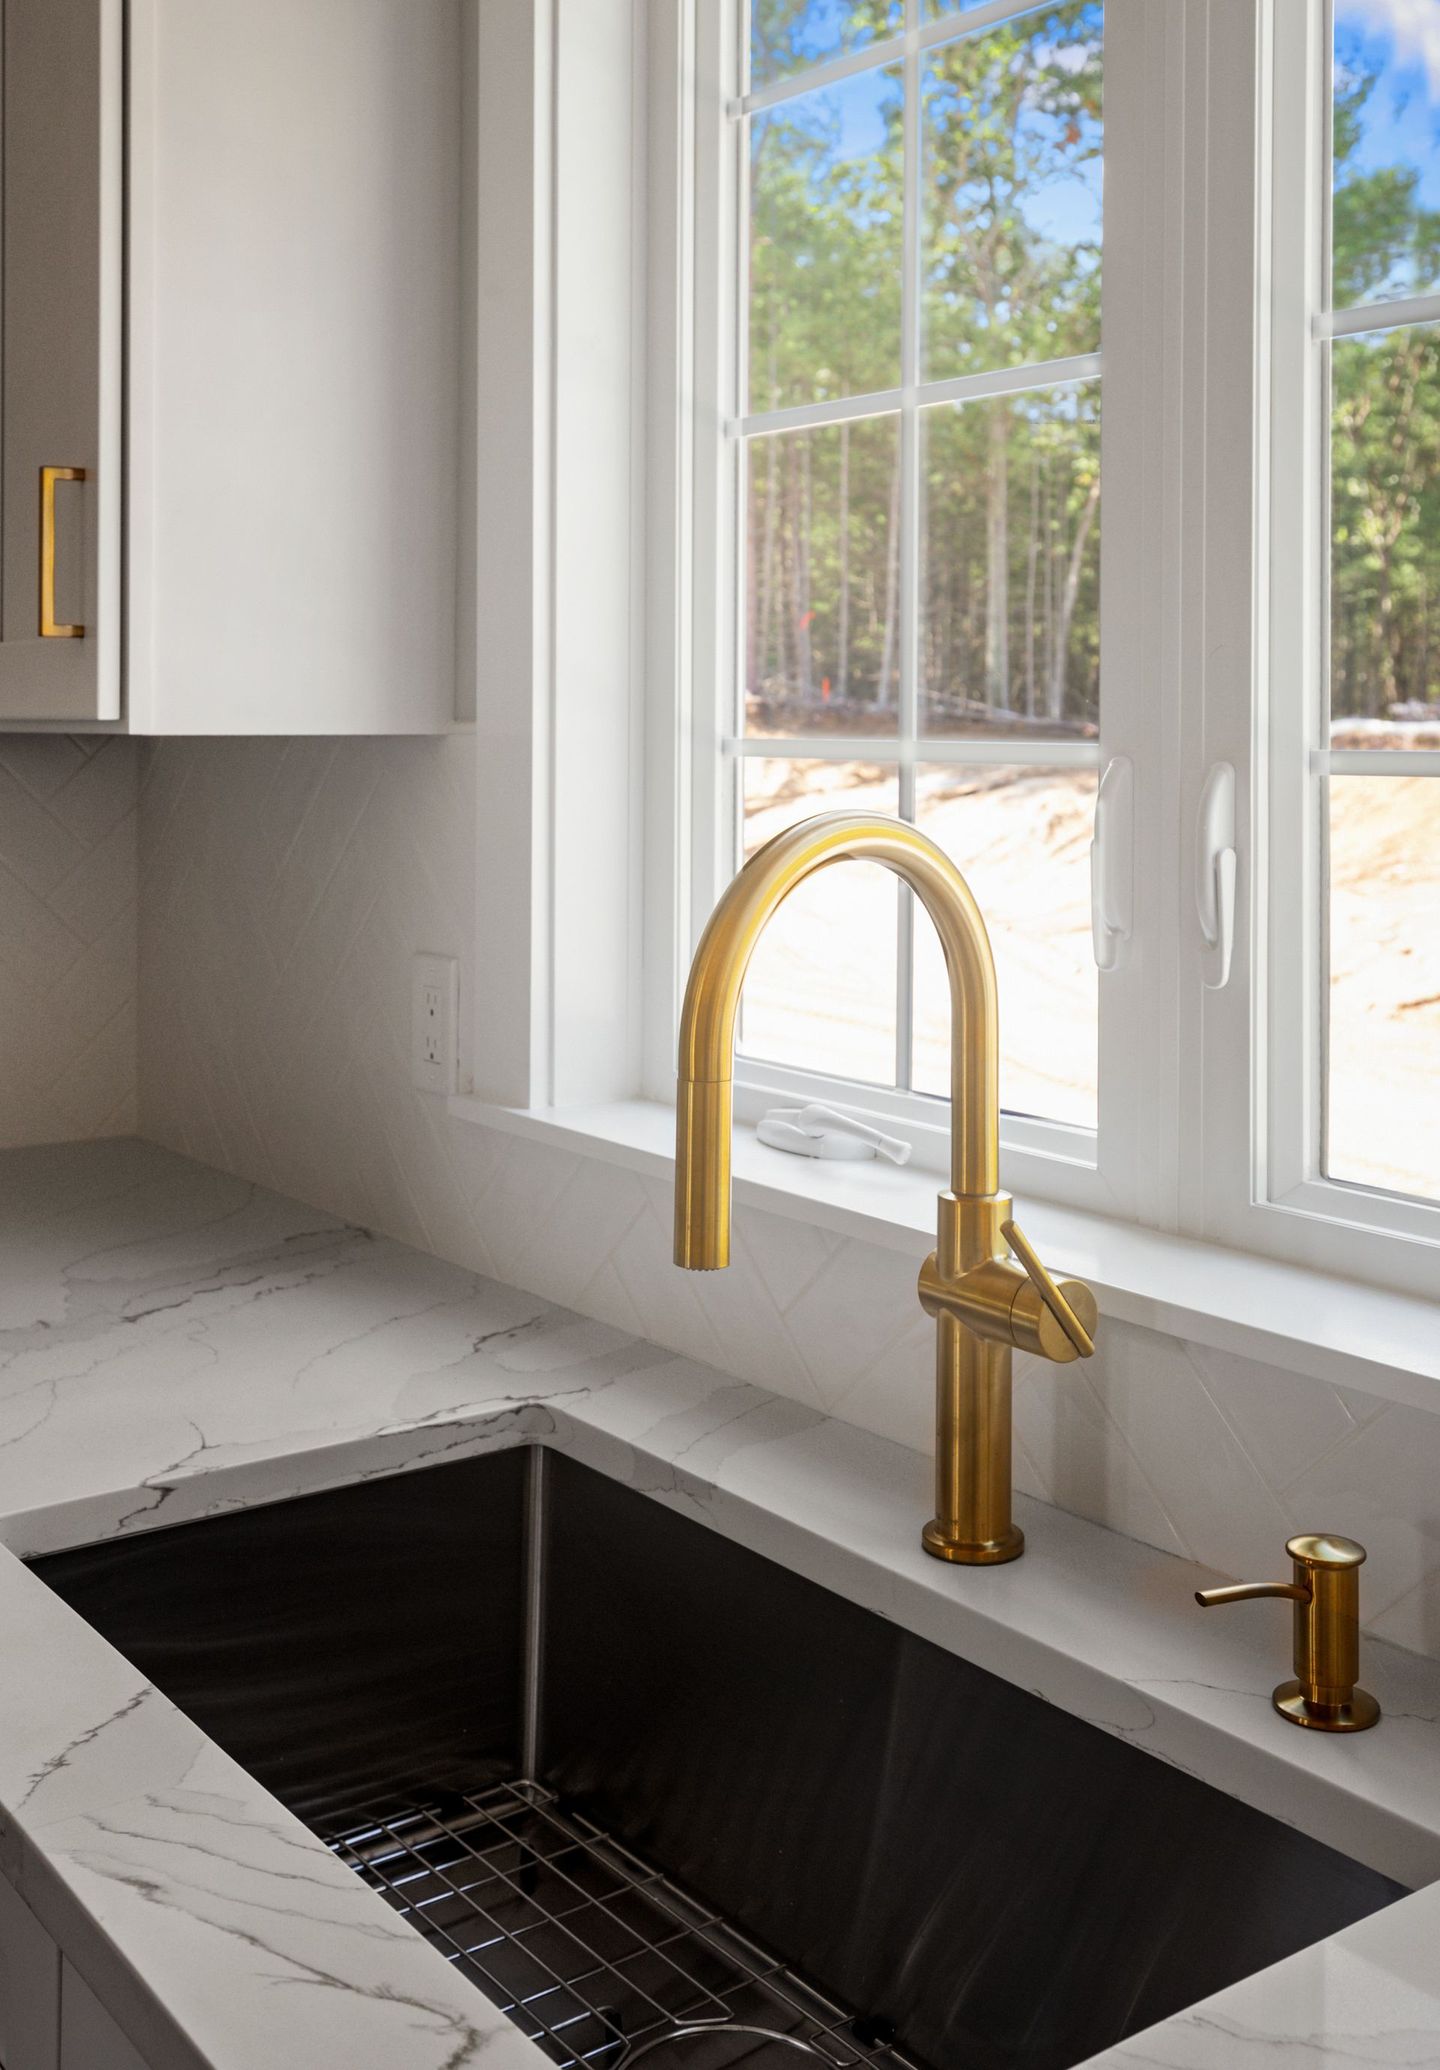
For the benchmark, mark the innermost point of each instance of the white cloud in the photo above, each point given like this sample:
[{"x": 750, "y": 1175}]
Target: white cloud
[{"x": 1414, "y": 24}]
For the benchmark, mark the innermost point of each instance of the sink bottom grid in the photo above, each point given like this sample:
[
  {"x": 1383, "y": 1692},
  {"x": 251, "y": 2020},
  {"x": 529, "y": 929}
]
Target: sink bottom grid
[{"x": 594, "y": 1954}]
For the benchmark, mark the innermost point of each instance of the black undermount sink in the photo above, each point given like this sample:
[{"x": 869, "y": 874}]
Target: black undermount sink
[{"x": 657, "y": 1796}]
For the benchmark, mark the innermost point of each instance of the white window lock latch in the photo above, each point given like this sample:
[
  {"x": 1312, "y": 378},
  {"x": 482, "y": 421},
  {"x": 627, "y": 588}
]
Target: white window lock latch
[
  {"x": 1215, "y": 871},
  {"x": 1112, "y": 863}
]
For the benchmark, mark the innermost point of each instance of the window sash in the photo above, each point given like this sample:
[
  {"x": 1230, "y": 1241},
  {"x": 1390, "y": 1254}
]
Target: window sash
[
  {"x": 1049, "y": 1159},
  {"x": 1265, "y": 1186},
  {"x": 1302, "y": 731},
  {"x": 1211, "y": 623}
]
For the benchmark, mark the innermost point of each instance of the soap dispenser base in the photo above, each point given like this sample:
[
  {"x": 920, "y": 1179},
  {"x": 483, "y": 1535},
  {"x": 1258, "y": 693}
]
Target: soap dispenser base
[{"x": 1358, "y": 1715}]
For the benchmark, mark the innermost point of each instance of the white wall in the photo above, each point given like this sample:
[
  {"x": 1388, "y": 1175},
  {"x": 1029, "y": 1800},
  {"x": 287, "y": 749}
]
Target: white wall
[
  {"x": 285, "y": 886},
  {"x": 68, "y": 938}
]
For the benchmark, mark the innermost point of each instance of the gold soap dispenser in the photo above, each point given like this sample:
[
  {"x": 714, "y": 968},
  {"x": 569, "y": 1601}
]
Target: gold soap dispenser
[{"x": 1326, "y": 1594}]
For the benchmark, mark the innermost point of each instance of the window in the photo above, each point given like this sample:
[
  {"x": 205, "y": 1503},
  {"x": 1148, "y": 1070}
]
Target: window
[
  {"x": 914, "y": 416},
  {"x": 1066, "y": 413},
  {"x": 906, "y": 574},
  {"x": 1382, "y": 823},
  {"x": 1355, "y": 705}
]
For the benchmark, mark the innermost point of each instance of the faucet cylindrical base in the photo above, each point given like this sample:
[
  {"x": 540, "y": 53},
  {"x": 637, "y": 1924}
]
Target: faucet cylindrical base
[
  {"x": 972, "y": 1525},
  {"x": 990, "y": 1552}
]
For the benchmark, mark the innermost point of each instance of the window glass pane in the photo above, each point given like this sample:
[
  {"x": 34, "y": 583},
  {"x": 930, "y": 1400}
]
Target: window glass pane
[
  {"x": 1385, "y": 552},
  {"x": 1386, "y": 224},
  {"x": 786, "y": 36},
  {"x": 1384, "y": 1038},
  {"x": 825, "y": 232},
  {"x": 1011, "y": 129},
  {"x": 822, "y": 590},
  {"x": 820, "y": 990},
  {"x": 1021, "y": 838},
  {"x": 1010, "y": 581}
]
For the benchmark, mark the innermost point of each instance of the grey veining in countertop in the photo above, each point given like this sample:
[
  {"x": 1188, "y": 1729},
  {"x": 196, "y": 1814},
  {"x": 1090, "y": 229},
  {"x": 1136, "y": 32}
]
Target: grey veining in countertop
[{"x": 174, "y": 1342}]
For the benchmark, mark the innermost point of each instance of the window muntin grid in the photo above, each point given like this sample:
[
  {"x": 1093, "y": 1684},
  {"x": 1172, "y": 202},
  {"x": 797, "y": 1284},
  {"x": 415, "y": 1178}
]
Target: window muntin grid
[{"x": 897, "y": 732}]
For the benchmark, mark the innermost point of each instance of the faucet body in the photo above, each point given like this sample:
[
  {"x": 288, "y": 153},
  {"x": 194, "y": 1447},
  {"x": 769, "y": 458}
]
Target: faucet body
[{"x": 983, "y": 1303}]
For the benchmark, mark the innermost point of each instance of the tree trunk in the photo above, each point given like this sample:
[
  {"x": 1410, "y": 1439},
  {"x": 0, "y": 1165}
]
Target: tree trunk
[
  {"x": 1069, "y": 592},
  {"x": 892, "y": 589},
  {"x": 767, "y": 561},
  {"x": 997, "y": 532},
  {"x": 842, "y": 657},
  {"x": 1047, "y": 530},
  {"x": 1387, "y": 684},
  {"x": 803, "y": 644},
  {"x": 1032, "y": 559}
]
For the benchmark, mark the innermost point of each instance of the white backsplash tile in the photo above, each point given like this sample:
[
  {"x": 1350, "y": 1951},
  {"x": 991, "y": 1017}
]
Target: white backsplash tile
[
  {"x": 1076, "y": 1455},
  {"x": 286, "y": 886},
  {"x": 68, "y": 938}
]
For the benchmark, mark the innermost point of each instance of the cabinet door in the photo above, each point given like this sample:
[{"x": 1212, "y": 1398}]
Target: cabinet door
[
  {"x": 29, "y": 1988},
  {"x": 89, "y": 2038},
  {"x": 61, "y": 162},
  {"x": 293, "y": 307}
]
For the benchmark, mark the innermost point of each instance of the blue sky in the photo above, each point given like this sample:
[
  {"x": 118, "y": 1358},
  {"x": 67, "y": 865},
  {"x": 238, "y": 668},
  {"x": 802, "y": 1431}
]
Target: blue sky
[
  {"x": 1399, "y": 39},
  {"x": 1065, "y": 211},
  {"x": 823, "y": 28}
]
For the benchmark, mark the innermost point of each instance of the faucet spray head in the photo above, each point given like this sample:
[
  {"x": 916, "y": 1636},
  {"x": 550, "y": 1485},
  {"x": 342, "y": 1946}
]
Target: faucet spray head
[{"x": 702, "y": 1174}]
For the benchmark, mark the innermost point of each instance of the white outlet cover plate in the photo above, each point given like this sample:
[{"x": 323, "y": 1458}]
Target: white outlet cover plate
[{"x": 435, "y": 1023}]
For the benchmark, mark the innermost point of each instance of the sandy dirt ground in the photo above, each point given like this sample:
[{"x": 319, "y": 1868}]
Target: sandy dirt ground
[
  {"x": 1384, "y": 1075},
  {"x": 821, "y": 991}
]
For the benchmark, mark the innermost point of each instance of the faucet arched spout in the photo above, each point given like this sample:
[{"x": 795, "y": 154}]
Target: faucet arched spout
[{"x": 712, "y": 999}]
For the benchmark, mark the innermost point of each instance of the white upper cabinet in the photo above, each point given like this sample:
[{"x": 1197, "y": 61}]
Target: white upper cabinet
[
  {"x": 60, "y": 403},
  {"x": 291, "y": 365}
]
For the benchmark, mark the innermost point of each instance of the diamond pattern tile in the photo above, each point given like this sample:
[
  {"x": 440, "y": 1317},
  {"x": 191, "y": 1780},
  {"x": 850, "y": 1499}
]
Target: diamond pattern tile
[{"x": 68, "y": 938}]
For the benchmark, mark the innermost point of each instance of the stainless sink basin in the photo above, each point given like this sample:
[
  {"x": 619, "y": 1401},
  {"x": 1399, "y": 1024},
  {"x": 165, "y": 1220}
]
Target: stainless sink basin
[{"x": 666, "y": 1802}]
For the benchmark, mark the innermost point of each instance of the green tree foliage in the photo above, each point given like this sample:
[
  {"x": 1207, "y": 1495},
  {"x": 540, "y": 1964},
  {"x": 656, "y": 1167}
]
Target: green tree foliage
[
  {"x": 786, "y": 37},
  {"x": 1010, "y": 127},
  {"x": 1385, "y": 453},
  {"x": 1010, "y": 150}
]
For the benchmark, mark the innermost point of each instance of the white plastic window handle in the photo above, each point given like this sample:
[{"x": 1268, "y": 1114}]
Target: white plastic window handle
[
  {"x": 1216, "y": 869},
  {"x": 818, "y": 1120},
  {"x": 1112, "y": 869},
  {"x": 778, "y": 1131},
  {"x": 824, "y": 1132}
]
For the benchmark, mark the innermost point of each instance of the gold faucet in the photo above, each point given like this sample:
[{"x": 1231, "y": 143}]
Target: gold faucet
[
  {"x": 983, "y": 1303},
  {"x": 1326, "y": 1594}
]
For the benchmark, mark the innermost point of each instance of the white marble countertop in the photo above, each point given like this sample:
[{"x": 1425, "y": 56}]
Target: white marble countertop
[{"x": 174, "y": 1343}]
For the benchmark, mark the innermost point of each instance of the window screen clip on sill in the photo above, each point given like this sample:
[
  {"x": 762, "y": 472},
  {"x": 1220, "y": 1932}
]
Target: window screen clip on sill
[{"x": 817, "y": 1131}]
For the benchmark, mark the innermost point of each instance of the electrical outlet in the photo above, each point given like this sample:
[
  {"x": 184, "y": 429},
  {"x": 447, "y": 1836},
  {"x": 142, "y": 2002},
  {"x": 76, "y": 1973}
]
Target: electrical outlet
[{"x": 435, "y": 1024}]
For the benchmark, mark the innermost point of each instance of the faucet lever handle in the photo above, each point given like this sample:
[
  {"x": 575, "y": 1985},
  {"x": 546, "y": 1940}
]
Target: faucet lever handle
[{"x": 1046, "y": 1288}]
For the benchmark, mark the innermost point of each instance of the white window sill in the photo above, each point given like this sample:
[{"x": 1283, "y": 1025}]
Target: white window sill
[{"x": 1383, "y": 1343}]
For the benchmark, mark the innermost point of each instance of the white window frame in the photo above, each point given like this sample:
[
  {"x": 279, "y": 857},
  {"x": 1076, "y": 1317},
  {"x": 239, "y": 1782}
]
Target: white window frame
[
  {"x": 1264, "y": 1185},
  {"x": 597, "y": 826},
  {"x": 1120, "y": 1170}
]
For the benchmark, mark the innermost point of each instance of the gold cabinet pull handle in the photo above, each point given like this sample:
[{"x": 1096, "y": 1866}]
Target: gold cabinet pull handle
[{"x": 49, "y": 629}]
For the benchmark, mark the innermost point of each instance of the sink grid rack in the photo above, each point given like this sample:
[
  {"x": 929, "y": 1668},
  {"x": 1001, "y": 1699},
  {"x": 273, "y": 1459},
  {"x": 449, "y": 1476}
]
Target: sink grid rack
[{"x": 597, "y": 1957}]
